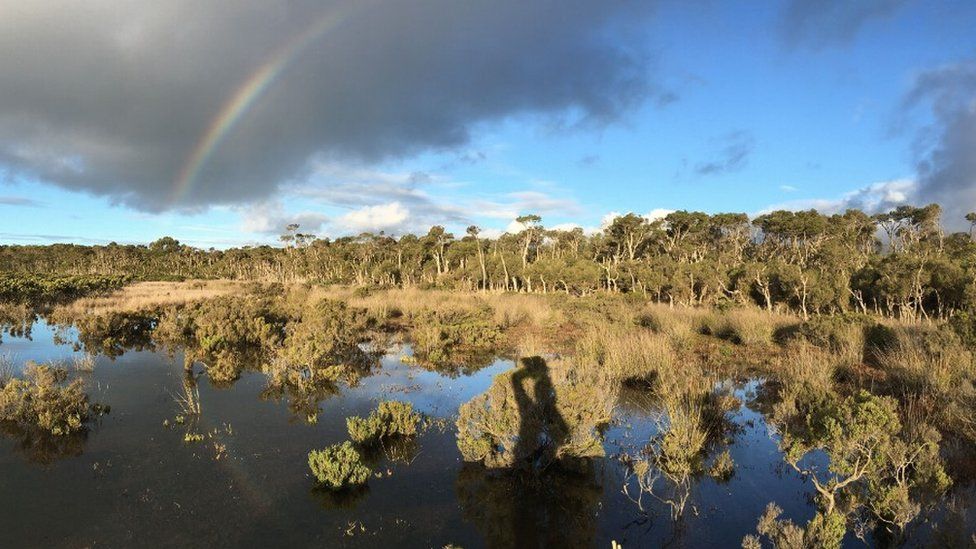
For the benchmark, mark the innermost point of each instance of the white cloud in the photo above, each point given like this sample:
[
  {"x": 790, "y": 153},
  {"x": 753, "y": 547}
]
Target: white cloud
[
  {"x": 271, "y": 218},
  {"x": 874, "y": 198},
  {"x": 385, "y": 217},
  {"x": 658, "y": 213},
  {"x": 653, "y": 215},
  {"x": 491, "y": 233},
  {"x": 430, "y": 198}
]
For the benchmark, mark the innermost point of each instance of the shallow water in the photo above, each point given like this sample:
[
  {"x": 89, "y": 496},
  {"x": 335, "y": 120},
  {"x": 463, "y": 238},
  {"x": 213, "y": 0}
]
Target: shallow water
[{"x": 133, "y": 480}]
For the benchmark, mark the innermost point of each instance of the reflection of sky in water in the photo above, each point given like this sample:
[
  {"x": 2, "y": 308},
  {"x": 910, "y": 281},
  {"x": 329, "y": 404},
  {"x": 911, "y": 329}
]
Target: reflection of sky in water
[
  {"x": 136, "y": 481},
  {"x": 41, "y": 346}
]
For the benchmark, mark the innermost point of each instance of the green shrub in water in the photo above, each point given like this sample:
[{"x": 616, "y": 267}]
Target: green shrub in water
[
  {"x": 45, "y": 400},
  {"x": 451, "y": 337},
  {"x": 825, "y": 530},
  {"x": 338, "y": 466},
  {"x": 534, "y": 415},
  {"x": 391, "y": 418},
  {"x": 326, "y": 340}
]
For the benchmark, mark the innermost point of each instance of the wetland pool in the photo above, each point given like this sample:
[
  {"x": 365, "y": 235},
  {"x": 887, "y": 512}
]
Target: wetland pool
[{"x": 132, "y": 478}]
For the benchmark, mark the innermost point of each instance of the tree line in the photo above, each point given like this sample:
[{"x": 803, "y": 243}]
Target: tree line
[{"x": 898, "y": 263}]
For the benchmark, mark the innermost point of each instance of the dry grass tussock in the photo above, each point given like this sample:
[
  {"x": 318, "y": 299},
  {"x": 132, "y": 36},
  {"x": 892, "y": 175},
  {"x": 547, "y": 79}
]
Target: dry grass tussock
[
  {"x": 678, "y": 323},
  {"x": 806, "y": 365},
  {"x": 507, "y": 309},
  {"x": 145, "y": 295},
  {"x": 626, "y": 354},
  {"x": 746, "y": 326},
  {"x": 926, "y": 362}
]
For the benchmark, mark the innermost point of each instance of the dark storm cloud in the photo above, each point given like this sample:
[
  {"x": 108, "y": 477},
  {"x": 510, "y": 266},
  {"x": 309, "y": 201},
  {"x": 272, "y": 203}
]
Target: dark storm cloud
[
  {"x": 947, "y": 159},
  {"x": 817, "y": 24},
  {"x": 732, "y": 156},
  {"x": 112, "y": 96}
]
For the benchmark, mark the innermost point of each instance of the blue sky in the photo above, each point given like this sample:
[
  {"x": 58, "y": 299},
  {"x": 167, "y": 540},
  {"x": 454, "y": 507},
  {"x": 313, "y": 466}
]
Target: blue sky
[{"x": 748, "y": 113}]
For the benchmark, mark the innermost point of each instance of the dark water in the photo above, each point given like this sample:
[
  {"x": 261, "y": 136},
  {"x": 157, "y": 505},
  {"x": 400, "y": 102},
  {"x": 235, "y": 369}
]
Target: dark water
[{"x": 133, "y": 481}]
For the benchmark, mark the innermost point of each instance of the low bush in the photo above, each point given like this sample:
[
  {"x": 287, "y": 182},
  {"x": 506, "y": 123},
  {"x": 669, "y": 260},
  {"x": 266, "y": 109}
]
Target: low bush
[
  {"x": 390, "y": 418},
  {"x": 535, "y": 415},
  {"x": 964, "y": 324},
  {"x": 325, "y": 340},
  {"x": 451, "y": 338},
  {"x": 823, "y": 531},
  {"x": 338, "y": 466},
  {"x": 44, "y": 399},
  {"x": 41, "y": 289}
]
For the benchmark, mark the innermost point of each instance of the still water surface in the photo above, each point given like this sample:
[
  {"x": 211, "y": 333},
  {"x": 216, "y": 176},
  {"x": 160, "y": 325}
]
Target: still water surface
[{"x": 133, "y": 480}]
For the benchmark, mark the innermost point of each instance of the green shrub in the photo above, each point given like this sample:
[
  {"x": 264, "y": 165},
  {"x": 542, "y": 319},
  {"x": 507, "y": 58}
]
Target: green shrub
[
  {"x": 44, "y": 399},
  {"x": 391, "y": 418},
  {"x": 326, "y": 340},
  {"x": 825, "y": 530},
  {"x": 451, "y": 338},
  {"x": 38, "y": 289},
  {"x": 964, "y": 324},
  {"x": 534, "y": 415},
  {"x": 338, "y": 466},
  {"x": 114, "y": 332}
]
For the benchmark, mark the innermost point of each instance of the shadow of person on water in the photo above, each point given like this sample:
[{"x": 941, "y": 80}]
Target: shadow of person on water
[{"x": 542, "y": 429}]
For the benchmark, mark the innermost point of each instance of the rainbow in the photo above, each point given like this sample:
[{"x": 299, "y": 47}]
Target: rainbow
[{"x": 245, "y": 96}]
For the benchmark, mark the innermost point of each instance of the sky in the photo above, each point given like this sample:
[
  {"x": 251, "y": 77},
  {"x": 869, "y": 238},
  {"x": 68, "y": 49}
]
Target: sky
[{"x": 219, "y": 122}]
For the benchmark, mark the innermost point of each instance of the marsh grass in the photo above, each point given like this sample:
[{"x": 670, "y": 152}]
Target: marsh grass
[
  {"x": 626, "y": 354},
  {"x": 927, "y": 360},
  {"x": 188, "y": 398},
  {"x": 743, "y": 326},
  {"x": 806, "y": 365},
  {"x": 149, "y": 295},
  {"x": 691, "y": 419}
]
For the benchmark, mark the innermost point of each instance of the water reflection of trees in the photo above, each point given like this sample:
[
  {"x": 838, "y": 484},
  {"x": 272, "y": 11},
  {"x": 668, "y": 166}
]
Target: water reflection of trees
[
  {"x": 553, "y": 509},
  {"x": 114, "y": 333},
  {"x": 692, "y": 422},
  {"x": 347, "y": 498},
  {"x": 42, "y": 447},
  {"x": 16, "y": 320}
]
